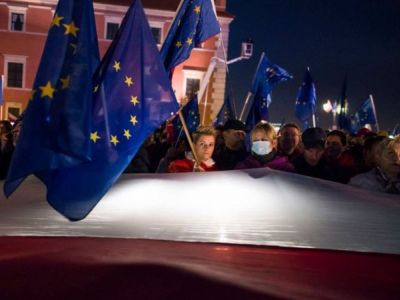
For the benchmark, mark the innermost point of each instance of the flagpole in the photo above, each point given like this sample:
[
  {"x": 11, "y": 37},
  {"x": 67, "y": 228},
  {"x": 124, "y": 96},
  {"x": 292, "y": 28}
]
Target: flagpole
[
  {"x": 313, "y": 121},
  {"x": 252, "y": 82},
  {"x": 374, "y": 110},
  {"x": 188, "y": 137},
  {"x": 245, "y": 105}
]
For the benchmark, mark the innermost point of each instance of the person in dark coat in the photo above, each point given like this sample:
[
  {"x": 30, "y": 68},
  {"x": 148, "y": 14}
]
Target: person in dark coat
[{"x": 233, "y": 150}]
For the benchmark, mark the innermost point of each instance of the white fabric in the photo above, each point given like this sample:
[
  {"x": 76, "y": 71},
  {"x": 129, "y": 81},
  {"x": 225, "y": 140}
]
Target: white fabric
[{"x": 260, "y": 207}]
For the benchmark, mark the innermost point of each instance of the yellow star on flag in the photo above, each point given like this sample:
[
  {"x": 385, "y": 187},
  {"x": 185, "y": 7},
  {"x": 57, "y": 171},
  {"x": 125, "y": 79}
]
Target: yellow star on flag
[
  {"x": 96, "y": 88},
  {"x": 47, "y": 90},
  {"x": 65, "y": 82},
  {"x": 134, "y": 100},
  {"x": 56, "y": 21},
  {"x": 189, "y": 41},
  {"x": 178, "y": 44},
  {"x": 128, "y": 80},
  {"x": 127, "y": 134},
  {"x": 71, "y": 29},
  {"x": 114, "y": 140},
  {"x": 117, "y": 66},
  {"x": 94, "y": 136},
  {"x": 197, "y": 9},
  {"x": 133, "y": 120},
  {"x": 32, "y": 95}
]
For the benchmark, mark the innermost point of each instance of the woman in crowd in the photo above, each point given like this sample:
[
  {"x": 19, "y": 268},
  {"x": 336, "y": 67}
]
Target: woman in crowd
[
  {"x": 264, "y": 143},
  {"x": 204, "y": 143}
]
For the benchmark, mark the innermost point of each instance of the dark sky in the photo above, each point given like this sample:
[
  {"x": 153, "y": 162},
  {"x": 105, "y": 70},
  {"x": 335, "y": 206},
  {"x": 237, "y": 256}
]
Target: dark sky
[{"x": 357, "y": 37}]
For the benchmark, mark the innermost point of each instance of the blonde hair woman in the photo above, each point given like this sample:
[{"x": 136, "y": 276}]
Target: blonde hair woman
[{"x": 264, "y": 142}]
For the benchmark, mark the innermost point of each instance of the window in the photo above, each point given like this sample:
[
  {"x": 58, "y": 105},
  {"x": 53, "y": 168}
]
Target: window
[
  {"x": 157, "y": 31},
  {"x": 13, "y": 111},
  {"x": 17, "y": 22},
  {"x": 111, "y": 30},
  {"x": 14, "y": 70},
  {"x": 191, "y": 82},
  {"x": 192, "y": 87},
  {"x": 156, "y": 34},
  {"x": 15, "y": 73}
]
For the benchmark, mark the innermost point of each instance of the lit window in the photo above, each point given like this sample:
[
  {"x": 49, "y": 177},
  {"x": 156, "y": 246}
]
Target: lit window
[
  {"x": 15, "y": 73},
  {"x": 17, "y": 22},
  {"x": 111, "y": 30}
]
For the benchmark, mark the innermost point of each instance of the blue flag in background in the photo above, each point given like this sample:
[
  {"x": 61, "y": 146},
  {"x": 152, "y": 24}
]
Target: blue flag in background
[
  {"x": 258, "y": 111},
  {"x": 365, "y": 113},
  {"x": 1, "y": 89},
  {"x": 57, "y": 121},
  {"x": 306, "y": 98},
  {"x": 267, "y": 76},
  {"x": 227, "y": 112},
  {"x": 194, "y": 23},
  {"x": 191, "y": 115},
  {"x": 133, "y": 97},
  {"x": 343, "y": 119}
]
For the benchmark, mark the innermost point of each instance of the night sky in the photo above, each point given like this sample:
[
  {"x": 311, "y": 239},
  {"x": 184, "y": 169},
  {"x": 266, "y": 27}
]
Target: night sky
[{"x": 357, "y": 37}]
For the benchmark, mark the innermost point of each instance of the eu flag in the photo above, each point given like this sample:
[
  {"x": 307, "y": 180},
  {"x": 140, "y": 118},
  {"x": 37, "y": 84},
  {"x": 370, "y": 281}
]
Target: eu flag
[
  {"x": 227, "y": 112},
  {"x": 258, "y": 111},
  {"x": 56, "y": 123},
  {"x": 267, "y": 76},
  {"x": 194, "y": 23},
  {"x": 365, "y": 113},
  {"x": 133, "y": 97},
  {"x": 306, "y": 98},
  {"x": 191, "y": 115}
]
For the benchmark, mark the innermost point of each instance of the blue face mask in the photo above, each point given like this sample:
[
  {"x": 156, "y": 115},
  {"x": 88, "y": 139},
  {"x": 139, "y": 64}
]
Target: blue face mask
[{"x": 261, "y": 147}]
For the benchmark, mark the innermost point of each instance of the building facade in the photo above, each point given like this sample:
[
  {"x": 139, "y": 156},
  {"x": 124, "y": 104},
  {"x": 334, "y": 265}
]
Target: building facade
[{"x": 23, "y": 31}]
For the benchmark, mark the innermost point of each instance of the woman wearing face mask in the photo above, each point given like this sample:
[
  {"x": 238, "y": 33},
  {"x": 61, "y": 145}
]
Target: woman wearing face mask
[{"x": 264, "y": 150}]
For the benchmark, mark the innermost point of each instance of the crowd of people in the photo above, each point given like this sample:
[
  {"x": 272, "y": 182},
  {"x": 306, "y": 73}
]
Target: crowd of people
[{"x": 368, "y": 160}]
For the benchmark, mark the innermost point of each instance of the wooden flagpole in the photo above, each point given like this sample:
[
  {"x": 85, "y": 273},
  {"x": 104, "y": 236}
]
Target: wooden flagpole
[{"x": 188, "y": 137}]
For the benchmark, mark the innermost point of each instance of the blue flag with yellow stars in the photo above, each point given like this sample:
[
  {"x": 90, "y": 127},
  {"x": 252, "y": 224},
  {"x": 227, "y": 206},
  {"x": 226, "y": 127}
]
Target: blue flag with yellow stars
[
  {"x": 191, "y": 115},
  {"x": 194, "y": 23},
  {"x": 258, "y": 111},
  {"x": 306, "y": 100},
  {"x": 365, "y": 113},
  {"x": 57, "y": 120},
  {"x": 132, "y": 98},
  {"x": 267, "y": 76},
  {"x": 227, "y": 112}
]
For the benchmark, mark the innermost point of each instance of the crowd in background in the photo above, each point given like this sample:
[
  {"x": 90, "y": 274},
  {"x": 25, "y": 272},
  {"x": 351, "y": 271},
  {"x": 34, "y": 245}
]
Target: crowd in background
[{"x": 368, "y": 160}]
